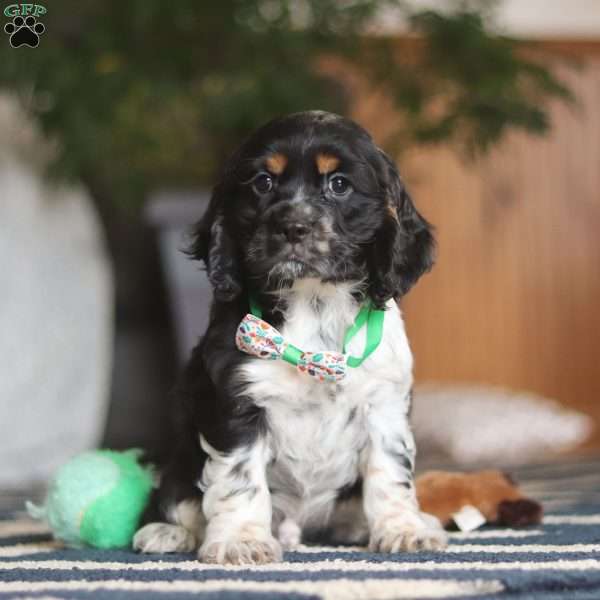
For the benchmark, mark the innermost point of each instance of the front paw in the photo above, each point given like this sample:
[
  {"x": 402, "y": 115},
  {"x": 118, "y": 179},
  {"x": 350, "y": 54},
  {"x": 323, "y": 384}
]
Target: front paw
[
  {"x": 240, "y": 551},
  {"x": 406, "y": 534}
]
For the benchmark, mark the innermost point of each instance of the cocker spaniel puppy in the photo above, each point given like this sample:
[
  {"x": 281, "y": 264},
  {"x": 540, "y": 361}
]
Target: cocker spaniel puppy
[{"x": 309, "y": 227}]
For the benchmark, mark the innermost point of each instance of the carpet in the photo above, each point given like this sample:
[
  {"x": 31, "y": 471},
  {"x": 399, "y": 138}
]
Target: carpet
[{"x": 558, "y": 559}]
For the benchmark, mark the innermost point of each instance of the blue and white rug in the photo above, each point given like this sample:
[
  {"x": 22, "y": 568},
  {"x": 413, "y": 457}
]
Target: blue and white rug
[{"x": 558, "y": 559}]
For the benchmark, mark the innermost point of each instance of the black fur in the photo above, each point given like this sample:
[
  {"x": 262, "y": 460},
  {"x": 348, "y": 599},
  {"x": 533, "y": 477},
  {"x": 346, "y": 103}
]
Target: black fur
[
  {"x": 375, "y": 234},
  {"x": 404, "y": 249}
]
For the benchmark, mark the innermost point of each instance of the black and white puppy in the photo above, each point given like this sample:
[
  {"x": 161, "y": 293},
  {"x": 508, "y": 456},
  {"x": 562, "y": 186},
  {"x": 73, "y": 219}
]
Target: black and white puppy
[{"x": 313, "y": 219}]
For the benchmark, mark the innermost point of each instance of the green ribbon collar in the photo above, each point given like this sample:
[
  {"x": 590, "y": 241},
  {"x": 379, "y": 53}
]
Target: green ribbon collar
[{"x": 367, "y": 316}]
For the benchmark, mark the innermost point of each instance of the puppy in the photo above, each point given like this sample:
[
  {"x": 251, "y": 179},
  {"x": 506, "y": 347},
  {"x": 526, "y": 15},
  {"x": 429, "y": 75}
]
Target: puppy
[{"x": 311, "y": 219}]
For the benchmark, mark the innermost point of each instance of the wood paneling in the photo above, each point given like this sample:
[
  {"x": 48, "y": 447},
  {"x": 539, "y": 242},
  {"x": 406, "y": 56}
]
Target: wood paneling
[{"x": 514, "y": 299}]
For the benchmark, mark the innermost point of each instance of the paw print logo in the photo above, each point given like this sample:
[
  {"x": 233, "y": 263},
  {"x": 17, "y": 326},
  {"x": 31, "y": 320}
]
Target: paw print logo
[{"x": 24, "y": 32}]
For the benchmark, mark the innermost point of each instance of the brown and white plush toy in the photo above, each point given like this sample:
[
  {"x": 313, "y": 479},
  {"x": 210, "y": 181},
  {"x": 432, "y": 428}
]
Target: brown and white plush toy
[{"x": 493, "y": 495}]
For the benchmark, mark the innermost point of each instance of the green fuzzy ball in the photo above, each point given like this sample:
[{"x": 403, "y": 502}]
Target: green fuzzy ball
[{"x": 97, "y": 499}]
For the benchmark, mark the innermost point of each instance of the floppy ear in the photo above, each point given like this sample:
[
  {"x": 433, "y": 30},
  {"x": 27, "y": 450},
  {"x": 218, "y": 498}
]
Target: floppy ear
[
  {"x": 214, "y": 244},
  {"x": 404, "y": 246}
]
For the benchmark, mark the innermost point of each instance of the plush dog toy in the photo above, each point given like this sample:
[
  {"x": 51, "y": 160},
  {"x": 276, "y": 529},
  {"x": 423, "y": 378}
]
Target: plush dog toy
[
  {"x": 97, "y": 498},
  {"x": 493, "y": 493}
]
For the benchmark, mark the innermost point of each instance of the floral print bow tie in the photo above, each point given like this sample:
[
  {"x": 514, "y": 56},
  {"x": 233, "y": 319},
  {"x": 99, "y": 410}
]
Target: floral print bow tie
[{"x": 255, "y": 336}]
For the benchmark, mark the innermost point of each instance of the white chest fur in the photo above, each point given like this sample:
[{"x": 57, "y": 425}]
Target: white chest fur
[{"x": 317, "y": 430}]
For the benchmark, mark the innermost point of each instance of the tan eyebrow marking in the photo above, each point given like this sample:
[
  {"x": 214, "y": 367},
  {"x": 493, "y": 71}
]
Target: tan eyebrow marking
[
  {"x": 326, "y": 163},
  {"x": 392, "y": 211},
  {"x": 276, "y": 163}
]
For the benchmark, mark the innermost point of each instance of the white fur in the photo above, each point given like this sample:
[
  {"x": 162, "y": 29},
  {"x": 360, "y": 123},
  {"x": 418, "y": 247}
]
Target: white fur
[
  {"x": 182, "y": 533},
  {"x": 316, "y": 448},
  {"x": 389, "y": 498},
  {"x": 289, "y": 534},
  {"x": 164, "y": 537},
  {"x": 237, "y": 506},
  {"x": 321, "y": 437}
]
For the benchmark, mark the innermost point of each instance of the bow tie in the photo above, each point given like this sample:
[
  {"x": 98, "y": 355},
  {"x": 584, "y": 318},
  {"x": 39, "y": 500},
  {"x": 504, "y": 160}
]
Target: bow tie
[
  {"x": 258, "y": 338},
  {"x": 255, "y": 336}
]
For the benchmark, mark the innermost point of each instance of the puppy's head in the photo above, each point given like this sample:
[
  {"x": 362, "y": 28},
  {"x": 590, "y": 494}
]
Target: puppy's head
[{"x": 310, "y": 195}]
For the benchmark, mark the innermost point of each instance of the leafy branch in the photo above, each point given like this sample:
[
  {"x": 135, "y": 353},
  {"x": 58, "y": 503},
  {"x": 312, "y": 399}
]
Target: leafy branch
[{"x": 145, "y": 93}]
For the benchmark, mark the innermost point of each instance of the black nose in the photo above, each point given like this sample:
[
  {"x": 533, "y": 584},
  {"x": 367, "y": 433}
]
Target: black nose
[{"x": 295, "y": 232}]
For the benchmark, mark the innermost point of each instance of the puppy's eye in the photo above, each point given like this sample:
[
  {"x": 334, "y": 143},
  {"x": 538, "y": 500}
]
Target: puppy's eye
[
  {"x": 262, "y": 183},
  {"x": 339, "y": 185}
]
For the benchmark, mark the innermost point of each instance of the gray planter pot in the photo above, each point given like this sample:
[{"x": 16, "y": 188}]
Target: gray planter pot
[{"x": 173, "y": 213}]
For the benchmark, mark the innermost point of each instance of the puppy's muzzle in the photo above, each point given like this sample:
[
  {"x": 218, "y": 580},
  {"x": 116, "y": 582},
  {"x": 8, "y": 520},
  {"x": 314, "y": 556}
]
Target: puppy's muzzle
[
  {"x": 293, "y": 222},
  {"x": 294, "y": 232}
]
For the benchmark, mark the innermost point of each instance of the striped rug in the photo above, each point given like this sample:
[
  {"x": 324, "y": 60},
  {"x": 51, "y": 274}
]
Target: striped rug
[{"x": 559, "y": 559}]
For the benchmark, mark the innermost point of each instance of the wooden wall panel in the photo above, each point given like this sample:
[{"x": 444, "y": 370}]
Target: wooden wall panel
[{"x": 514, "y": 299}]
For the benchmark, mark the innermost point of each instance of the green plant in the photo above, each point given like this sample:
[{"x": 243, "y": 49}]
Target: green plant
[{"x": 149, "y": 93}]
